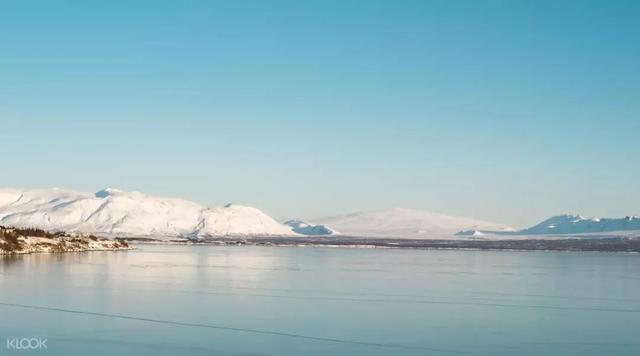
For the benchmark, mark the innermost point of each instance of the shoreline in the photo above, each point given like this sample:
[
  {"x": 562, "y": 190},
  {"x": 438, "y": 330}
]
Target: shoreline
[
  {"x": 617, "y": 244},
  {"x": 22, "y": 253},
  {"x": 25, "y": 245}
]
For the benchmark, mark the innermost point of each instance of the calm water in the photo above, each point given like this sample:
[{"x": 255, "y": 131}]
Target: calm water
[{"x": 199, "y": 300}]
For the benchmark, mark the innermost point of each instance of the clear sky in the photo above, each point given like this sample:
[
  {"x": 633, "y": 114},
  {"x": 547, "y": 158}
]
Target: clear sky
[{"x": 508, "y": 111}]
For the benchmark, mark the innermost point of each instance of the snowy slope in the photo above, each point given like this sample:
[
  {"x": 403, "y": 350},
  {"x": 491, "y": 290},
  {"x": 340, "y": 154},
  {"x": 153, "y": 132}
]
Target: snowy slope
[
  {"x": 304, "y": 228},
  {"x": 118, "y": 213},
  {"x": 576, "y": 224},
  {"x": 405, "y": 223}
]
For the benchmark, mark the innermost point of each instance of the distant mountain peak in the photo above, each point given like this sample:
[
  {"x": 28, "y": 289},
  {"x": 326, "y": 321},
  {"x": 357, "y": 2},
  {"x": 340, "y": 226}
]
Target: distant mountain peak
[
  {"x": 107, "y": 192},
  {"x": 471, "y": 232}
]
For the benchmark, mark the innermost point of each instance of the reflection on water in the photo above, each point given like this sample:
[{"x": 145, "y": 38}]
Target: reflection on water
[{"x": 202, "y": 300}]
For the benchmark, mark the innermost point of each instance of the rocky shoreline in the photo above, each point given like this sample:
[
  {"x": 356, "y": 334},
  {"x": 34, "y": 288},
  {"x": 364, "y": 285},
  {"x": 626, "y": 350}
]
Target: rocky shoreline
[{"x": 26, "y": 241}]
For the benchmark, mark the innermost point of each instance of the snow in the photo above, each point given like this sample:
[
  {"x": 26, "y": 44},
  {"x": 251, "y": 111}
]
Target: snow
[
  {"x": 576, "y": 224},
  {"x": 405, "y": 223},
  {"x": 305, "y": 228},
  {"x": 113, "y": 212}
]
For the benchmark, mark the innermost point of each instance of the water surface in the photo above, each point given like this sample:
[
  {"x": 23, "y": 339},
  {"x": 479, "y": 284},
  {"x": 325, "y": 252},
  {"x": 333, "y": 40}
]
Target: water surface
[{"x": 249, "y": 300}]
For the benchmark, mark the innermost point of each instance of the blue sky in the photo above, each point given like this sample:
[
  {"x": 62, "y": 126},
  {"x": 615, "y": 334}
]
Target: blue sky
[{"x": 502, "y": 110}]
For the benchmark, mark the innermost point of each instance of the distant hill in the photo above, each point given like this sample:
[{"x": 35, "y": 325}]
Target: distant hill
[
  {"x": 405, "y": 223},
  {"x": 576, "y": 224},
  {"x": 304, "y": 228}
]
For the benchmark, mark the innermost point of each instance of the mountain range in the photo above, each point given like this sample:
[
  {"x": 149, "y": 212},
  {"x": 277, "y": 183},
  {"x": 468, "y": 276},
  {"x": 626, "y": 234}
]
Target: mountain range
[{"x": 112, "y": 212}]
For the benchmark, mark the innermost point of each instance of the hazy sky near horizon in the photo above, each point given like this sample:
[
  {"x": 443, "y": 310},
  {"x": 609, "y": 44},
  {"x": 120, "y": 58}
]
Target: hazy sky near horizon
[{"x": 508, "y": 111}]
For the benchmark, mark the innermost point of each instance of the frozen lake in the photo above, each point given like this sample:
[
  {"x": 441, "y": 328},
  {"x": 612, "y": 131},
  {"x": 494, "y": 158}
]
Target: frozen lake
[{"x": 251, "y": 300}]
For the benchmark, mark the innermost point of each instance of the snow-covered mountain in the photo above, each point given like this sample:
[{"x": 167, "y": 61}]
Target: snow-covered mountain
[
  {"x": 114, "y": 212},
  {"x": 576, "y": 224},
  {"x": 405, "y": 223},
  {"x": 304, "y": 228}
]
